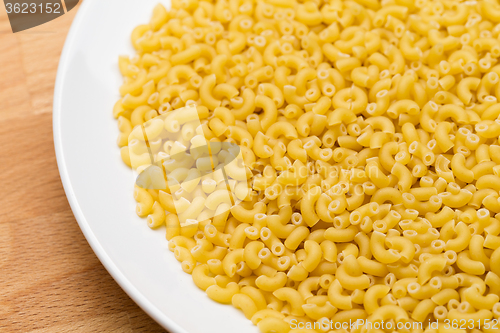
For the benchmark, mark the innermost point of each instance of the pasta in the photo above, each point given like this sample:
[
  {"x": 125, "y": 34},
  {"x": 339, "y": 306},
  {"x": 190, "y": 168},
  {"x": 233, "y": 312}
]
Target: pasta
[{"x": 323, "y": 161}]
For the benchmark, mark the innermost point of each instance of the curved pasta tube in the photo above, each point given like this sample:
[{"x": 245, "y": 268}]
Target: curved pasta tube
[
  {"x": 405, "y": 178},
  {"x": 386, "y": 154},
  {"x": 464, "y": 88},
  {"x": 491, "y": 113},
  {"x": 307, "y": 205},
  {"x": 282, "y": 128},
  {"x": 272, "y": 324},
  {"x": 131, "y": 102},
  {"x": 201, "y": 277},
  {"x": 372, "y": 297},
  {"x": 477, "y": 300},
  {"x": 291, "y": 97},
  {"x": 442, "y": 169},
  {"x": 261, "y": 147},
  {"x": 481, "y": 315},
  {"x": 250, "y": 254},
  {"x": 314, "y": 255},
  {"x": 296, "y": 175},
  {"x": 429, "y": 266},
  {"x": 183, "y": 255},
  {"x": 405, "y": 105},
  {"x": 376, "y": 175},
  {"x": 144, "y": 200},
  {"x": 157, "y": 218},
  {"x": 467, "y": 265},
  {"x": 349, "y": 281},
  {"x": 388, "y": 222},
  {"x": 488, "y": 128},
  {"x": 387, "y": 194},
  {"x": 296, "y": 150},
  {"x": 293, "y": 297},
  {"x": 264, "y": 180},
  {"x": 377, "y": 247},
  {"x": 326, "y": 206},
  {"x": 491, "y": 11},
  {"x": 135, "y": 86},
  {"x": 247, "y": 215},
  {"x": 353, "y": 99},
  {"x": 245, "y": 303},
  {"x": 270, "y": 111},
  {"x": 278, "y": 160},
  {"x": 313, "y": 150},
  {"x": 318, "y": 311},
  {"x": 273, "y": 283},
  {"x": 206, "y": 89},
  {"x": 477, "y": 253},
  {"x": 442, "y": 136},
  {"x": 336, "y": 298},
  {"x": 462, "y": 240},
  {"x": 243, "y": 106},
  {"x": 456, "y": 200},
  {"x": 341, "y": 115},
  {"x": 240, "y": 135},
  {"x": 404, "y": 246},
  {"x": 223, "y": 295},
  {"x": 205, "y": 251},
  {"x": 454, "y": 112},
  {"x": 310, "y": 124},
  {"x": 459, "y": 169}
]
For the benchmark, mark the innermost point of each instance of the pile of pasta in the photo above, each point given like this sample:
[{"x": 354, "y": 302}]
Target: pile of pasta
[{"x": 370, "y": 131}]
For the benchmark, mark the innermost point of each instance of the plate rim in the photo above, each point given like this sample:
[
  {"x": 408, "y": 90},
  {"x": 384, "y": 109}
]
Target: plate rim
[{"x": 147, "y": 306}]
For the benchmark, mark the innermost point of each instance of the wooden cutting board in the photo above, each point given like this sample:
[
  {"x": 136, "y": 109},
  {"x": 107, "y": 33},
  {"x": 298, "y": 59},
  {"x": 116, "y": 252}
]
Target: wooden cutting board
[{"x": 50, "y": 280}]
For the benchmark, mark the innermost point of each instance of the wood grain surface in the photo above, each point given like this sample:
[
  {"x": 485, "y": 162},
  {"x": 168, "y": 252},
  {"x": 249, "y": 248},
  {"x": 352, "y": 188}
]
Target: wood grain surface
[{"x": 50, "y": 280}]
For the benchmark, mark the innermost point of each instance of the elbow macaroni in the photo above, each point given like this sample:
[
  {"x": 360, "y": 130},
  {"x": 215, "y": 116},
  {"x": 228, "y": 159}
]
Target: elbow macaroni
[{"x": 322, "y": 159}]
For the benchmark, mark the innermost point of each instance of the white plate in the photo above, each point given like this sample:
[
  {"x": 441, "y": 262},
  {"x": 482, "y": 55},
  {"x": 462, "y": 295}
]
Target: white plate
[{"x": 99, "y": 186}]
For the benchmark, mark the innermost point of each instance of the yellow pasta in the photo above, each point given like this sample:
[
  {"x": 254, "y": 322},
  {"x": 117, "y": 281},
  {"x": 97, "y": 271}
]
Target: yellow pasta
[{"x": 321, "y": 160}]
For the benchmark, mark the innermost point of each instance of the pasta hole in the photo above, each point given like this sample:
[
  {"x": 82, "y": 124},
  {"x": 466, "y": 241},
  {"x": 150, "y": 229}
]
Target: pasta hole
[
  {"x": 379, "y": 226},
  {"x": 337, "y": 223},
  {"x": 329, "y": 90},
  {"x": 435, "y": 283},
  {"x": 378, "y": 21},
  {"x": 495, "y": 51},
  {"x": 464, "y": 307},
  {"x": 278, "y": 250},
  {"x": 296, "y": 218},
  {"x": 355, "y": 217},
  {"x": 413, "y": 287},
  {"x": 481, "y": 127},
  {"x": 264, "y": 254},
  {"x": 440, "y": 97},
  {"x": 399, "y": 31},
  {"x": 384, "y": 74},
  {"x": 483, "y": 213},
  {"x": 340, "y": 258},
  {"x": 439, "y": 311},
  {"x": 493, "y": 77},
  {"x": 496, "y": 309},
  {"x": 265, "y": 234}
]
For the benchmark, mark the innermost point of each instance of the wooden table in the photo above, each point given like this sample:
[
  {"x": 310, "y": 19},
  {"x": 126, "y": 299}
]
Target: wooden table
[{"x": 50, "y": 280}]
